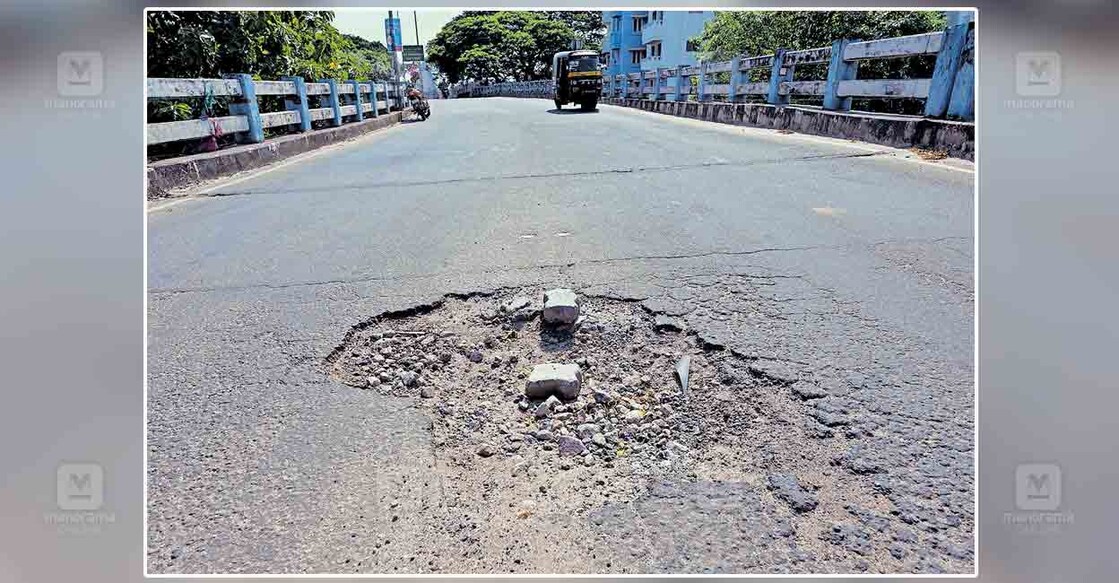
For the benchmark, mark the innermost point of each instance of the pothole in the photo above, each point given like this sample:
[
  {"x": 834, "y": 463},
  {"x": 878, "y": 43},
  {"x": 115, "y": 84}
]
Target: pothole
[
  {"x": 468, "y": 361},
  {"x": 516, "y": 468}
]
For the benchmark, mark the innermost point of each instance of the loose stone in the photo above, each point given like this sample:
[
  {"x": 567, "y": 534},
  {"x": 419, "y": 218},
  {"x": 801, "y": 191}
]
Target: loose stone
[
  {"x": 561, "y": 307},
  {"x": 563, "y": 380}
]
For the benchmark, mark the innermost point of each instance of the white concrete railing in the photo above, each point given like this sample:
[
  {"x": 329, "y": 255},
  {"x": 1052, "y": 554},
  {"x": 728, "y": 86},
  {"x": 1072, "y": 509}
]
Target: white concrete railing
[
  {"x": 541, "y": 88},
  {"x": 338, "y": 102},
  {"x": 949, "y": 92}
]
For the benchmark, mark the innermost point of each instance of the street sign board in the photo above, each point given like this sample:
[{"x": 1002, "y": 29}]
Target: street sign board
[
  {"x": 413, "y": 53},
  {"x": 392, "y": 34}
]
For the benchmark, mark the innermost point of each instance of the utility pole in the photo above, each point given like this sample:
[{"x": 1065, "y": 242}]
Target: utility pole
[{"x": 416, "y": 21}]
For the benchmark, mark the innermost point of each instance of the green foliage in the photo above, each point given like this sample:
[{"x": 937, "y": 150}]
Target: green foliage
[
  {"x": 172, "y": 111},
  {"x": 586, "y": 24},
  {"x": 375, "y": 53},
  {"x": 499, "y": 46},
  {"x": 762, "y": 32},
  {"x": 265, "y": 44}
]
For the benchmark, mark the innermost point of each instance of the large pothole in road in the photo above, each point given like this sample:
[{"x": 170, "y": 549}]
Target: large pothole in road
[
  {"x": 468, "y": 361},
  {"x": 504, "y": 457}
]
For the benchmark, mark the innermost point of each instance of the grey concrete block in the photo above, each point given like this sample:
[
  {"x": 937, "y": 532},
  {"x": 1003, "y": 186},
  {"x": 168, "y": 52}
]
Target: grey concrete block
[
  {"x": 561, "y": 307},
  {"x": 562, "y": 380}
]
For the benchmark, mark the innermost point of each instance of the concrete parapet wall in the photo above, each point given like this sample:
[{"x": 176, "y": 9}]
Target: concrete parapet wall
[{"x": 955, "y": 138}]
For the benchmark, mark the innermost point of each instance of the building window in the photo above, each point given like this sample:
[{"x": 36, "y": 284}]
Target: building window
[
  {"x": 636, "y": 56},
  {"x": 654, "y": 50},
  {"x": 638, "y": 23},
  {"x": 692, "y": 45}
]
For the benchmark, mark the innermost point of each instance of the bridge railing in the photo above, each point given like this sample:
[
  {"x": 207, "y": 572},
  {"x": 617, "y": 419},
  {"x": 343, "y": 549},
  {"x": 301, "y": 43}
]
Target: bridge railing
[
  {"x": 950, "y": 90},
  {"x": 539, "y": 88},
  {"x": 336, "y": 102}
]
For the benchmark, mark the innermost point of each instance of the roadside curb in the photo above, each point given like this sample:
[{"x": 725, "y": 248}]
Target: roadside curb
[
  {"x": 955, "y": 138},
  {"x": 168, "y": 178}
]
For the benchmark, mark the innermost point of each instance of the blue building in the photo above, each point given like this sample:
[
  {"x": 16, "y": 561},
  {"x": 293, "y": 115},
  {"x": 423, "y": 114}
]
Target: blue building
[
  {"x": 622, "y": 48},
  {"x": 667, "y": 37},
  {"x": 639, "y": 40}
]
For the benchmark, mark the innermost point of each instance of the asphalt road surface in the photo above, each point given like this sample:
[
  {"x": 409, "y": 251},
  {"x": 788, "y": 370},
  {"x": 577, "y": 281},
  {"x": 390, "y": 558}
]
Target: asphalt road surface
[{"x": 260, "y": 462}]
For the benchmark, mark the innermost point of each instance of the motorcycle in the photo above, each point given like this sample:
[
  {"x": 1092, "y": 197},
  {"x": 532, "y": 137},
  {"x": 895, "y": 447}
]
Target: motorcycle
[{"x": 420, "y": 106}]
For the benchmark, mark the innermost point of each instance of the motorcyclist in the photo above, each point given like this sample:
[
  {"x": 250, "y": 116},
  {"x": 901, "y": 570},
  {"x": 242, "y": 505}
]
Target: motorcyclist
[{"x": 418, "y": 102}]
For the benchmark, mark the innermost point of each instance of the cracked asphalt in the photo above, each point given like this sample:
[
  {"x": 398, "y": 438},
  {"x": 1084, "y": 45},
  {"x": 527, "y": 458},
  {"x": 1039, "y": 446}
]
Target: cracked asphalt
[{"x": 812, "y": 261}]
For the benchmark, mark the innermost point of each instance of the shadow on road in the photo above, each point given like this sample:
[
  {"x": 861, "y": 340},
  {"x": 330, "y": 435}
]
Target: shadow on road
[{"x": 570, "y": 111}]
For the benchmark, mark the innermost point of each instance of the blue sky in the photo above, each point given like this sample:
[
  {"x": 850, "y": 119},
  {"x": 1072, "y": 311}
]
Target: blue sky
[{"x": 370, "y": 24}]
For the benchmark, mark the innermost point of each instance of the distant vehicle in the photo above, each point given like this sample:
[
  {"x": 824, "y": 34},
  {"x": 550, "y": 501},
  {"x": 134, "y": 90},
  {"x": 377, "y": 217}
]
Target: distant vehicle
[{"x": 577, "y": 79}]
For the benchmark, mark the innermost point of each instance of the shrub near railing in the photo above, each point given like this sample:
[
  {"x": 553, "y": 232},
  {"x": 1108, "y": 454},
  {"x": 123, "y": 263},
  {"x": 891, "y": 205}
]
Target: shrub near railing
[
  {"x": 338, "y": 102},
  {"x": 949, "y": 92}
]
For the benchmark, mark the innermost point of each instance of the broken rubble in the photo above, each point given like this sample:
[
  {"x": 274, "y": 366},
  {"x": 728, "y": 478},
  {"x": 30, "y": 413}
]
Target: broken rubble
[
  {"x": 561, "y": 307},
  {"x": 563, "y": 380},
  {"x": 546, "y": 408},
  {"x": 789, "y": 489},
  {"x": 663, "y": 322},
  {"x": 570, "y": 445}
]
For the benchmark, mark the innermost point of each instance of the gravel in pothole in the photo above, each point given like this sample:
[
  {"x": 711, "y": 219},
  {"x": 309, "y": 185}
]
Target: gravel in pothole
[
  {"x": 541, "y": 484},
  {"x": 467, "y": 361}
]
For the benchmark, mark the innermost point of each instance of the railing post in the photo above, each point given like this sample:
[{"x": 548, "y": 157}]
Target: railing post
[
  {"x": 962, "y": 103},
  {"x": 735, "y": 79},
  {"x": 948, "y": 62},
  {"x": 357, "y": 98},
  {"x": 625, "y": 85},
  {"x": 247, "y": 106},
  {"x": 701, "y": 86},
  {"x": 332, "y": 101},
  {"x": 373, "y": 96},
  {"x": 777, "y": 75},
  {"x": 838, "y": 70},
  {"x": 681, "y": 94},
  {"x": 657, "y": 84},
  {"x": 298, "y": 102}
]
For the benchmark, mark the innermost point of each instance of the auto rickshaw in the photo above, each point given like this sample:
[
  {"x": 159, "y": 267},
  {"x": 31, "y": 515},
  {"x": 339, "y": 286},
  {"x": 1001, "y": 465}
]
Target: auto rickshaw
[{"x": 577, "y": 79}]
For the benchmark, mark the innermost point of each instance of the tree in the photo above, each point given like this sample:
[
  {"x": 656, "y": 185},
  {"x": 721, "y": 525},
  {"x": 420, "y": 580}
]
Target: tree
[
  {"x": 498, "y": 46},
  {"x": 762, "y": 32},
  {"x": 265, "y": 44},
  {"x": 587, "y": 25},
  {"x": 375, "y": 53}
]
